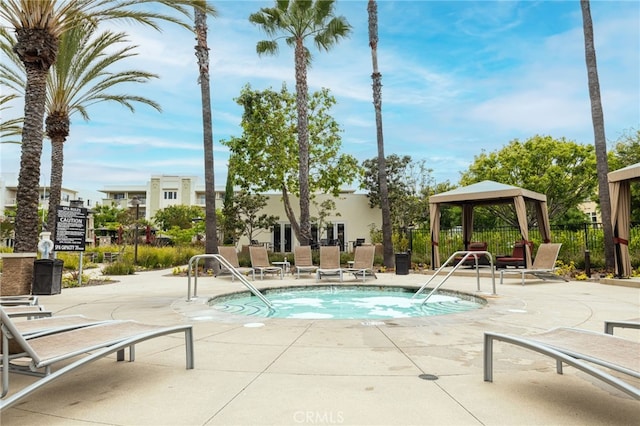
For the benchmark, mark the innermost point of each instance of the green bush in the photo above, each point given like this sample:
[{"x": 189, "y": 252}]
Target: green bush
[{"x": 119, "y": 268}]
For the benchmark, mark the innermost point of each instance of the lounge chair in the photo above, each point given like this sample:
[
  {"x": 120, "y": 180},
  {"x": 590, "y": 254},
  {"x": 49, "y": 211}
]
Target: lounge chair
[
  {"x": 471, "y": 261},
  {"x": 517, "y": 258},
  {"x": 363, "y": 262},
  {"x": 610, "y": 325},
  {"x": 543, "y": 265},
  {"x": 329, "y": 263},
  {"x": 18, "y": 300},
  {"x": 260, "y": 262},
  {"x": 86, "y": 344},
  {"x": 231, "y": 255},
  {"x": 303, "y": 260},
  {"x": 41, "y": 323},
  {"x": 580, "y": 349}
]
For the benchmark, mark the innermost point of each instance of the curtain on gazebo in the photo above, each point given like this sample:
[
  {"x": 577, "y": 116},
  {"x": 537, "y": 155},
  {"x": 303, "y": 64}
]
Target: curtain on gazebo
[{"x": 620, "y": 194}]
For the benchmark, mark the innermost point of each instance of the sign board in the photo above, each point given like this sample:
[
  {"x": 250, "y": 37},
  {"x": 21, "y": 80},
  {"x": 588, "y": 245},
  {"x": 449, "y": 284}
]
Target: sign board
[{"x": 71, "y": 229}]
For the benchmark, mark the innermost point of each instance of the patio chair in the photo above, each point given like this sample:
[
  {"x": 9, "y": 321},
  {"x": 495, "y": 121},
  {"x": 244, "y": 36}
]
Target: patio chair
[
  {"x": 231, "y": 255},
  {"x": 85, "y": 344},
  {"x": 363, "y": 262},
  {"x": 26, "y": 300},
  {"x": 471, "y": 261},
  {"x": 33, "y": 324},
  {"x": 303, "y": 260},
  {"x": 260, "y": 262},
  {"x": 543, "y": 265},
  {"x": 580, "y": 349},
  {"x": 329, "y": 263},
  {"x": 610, "y": 325},
  {"x": 517, "y": 258}
]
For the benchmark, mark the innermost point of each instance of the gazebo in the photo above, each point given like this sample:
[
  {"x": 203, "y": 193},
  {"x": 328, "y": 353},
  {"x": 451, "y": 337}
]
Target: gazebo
[
  {"x": 487, "y": 193},
  {"x": 620, "y": 194}
]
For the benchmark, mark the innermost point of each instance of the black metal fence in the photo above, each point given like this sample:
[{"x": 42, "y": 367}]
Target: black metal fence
[{"x": 576, "y": 241}]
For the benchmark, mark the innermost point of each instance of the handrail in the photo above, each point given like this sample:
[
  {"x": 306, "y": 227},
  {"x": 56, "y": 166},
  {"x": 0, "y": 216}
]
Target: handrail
[
  {"x": 231, "y": 269},
  {"x": 466, "y": 255}
]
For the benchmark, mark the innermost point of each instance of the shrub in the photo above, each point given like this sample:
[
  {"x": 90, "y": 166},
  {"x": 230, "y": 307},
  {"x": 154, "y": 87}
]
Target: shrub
[{"x": 119, "y": 268}]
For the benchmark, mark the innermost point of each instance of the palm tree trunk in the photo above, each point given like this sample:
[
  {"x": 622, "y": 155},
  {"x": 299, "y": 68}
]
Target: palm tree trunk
[
  {"x": 57, "y": 129},
  {"x": 303, "y": 143},
  {"x": 382, "y": 166},
  {"x": 28, "y": 194},
  {"x": 202, "y": 53},
  {"x": 55, "y": 187},
  {"x": 600, "y": 141}
]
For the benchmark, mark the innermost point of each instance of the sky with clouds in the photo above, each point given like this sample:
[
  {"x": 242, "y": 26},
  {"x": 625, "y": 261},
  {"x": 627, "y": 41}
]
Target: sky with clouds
[{"x": 459, "y": 78}]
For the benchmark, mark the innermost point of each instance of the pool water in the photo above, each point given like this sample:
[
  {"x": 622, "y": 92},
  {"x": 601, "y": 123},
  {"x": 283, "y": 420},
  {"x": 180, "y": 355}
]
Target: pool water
[{"x": 333, "y": 302}]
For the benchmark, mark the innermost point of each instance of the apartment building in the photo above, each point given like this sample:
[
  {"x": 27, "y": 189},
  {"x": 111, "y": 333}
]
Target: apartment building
[
  {"x": 352, "y": 219},
  {"x": 8, "y": 202}
]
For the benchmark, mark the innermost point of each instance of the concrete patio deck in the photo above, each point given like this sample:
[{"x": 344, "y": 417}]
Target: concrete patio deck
[{"x": 351, "y": 372}]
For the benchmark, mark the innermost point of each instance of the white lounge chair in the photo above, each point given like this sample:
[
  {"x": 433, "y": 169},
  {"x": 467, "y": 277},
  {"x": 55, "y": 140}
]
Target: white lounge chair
[
  {"x": 363, "y": 262},
  {"x": 303, "y": 260},
  {"x": 86, "y": 344},
  {"x": 580, "y": 349},
  {"x": 329, "y": 263},
  {"x": 260, "y": 262},
  {"x": 543, "y": 266}
]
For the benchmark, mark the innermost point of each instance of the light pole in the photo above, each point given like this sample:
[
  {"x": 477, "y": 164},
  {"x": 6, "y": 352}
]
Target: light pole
[{"x": 136, "y": 202}]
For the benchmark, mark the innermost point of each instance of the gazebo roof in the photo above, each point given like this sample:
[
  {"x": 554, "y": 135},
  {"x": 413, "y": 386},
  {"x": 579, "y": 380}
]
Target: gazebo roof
[
  {"x": 485, "y": 192},
  {"x": 631, "y": 172}
]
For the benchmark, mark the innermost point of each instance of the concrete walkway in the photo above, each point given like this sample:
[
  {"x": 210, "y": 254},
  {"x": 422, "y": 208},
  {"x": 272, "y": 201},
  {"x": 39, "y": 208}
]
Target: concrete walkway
[{"x": 262, "y": 371}]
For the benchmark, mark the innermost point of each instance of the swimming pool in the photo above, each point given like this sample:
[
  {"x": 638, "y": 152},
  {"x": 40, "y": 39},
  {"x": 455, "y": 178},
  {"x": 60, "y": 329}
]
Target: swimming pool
[{"x": 344, "y": 302}]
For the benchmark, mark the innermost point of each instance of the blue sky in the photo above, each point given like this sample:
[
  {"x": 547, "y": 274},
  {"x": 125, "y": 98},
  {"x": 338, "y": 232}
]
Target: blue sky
[{"x": 459, "y": 78}]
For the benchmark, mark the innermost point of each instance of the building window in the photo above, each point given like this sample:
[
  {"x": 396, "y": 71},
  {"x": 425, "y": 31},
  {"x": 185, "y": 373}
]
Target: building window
[
  {"x": 118, "y": 196},
  {"x": 170, "y": 195}
]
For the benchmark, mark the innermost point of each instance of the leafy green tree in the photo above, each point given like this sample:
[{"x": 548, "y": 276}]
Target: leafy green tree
[
  {"x": 562, "y": 170},
  {"x": 81, "y": 77},
  {"x": 269, "y": 139},
  {"x": 409, "y": 186},
  {"x": 625, "y": 152},
  {"x": 324, "y": 209},
  {"x": 229, "y": 225},
  {"x": 387, "y": 242},
  {"x": 181, "y": 216},
  {"x": 247, "y": 208},
  {"x": 38, "y": 26},
  {"x": 298, "y": 20},
  {"x": 202, "y": 54},
  {"x": 107, "y": 216},
  {"x": 600, "y": 141}
]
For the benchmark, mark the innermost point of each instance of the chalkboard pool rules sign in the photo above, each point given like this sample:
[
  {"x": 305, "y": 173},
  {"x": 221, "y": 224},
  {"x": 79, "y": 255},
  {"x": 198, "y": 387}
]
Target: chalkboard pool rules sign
[{"x": 71, "y": 229}]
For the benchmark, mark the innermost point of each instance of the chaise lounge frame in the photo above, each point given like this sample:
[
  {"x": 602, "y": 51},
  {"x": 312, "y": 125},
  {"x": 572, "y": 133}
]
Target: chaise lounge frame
[
  {"x": 93, "y": 342},
  {"x": 573, "y": 347}
]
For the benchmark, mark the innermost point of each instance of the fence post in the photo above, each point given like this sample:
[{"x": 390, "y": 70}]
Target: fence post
[{"x": 587, "y": 253}]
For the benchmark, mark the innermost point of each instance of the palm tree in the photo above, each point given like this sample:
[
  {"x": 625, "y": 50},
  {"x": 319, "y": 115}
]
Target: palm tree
[
  {"x": 80, "y": 78},
  {"x": 600, "y": 141},
  {"x": 387, "y": 243},
  {"x": 202, "y": 53},
  {"x": 299, "y": 20},
  {"x": 38, "y": 25}
]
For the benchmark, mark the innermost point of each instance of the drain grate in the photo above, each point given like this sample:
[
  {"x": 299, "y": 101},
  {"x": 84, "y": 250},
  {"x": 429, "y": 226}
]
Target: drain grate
[{"x": 428, "y": 377}]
